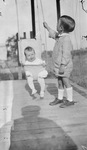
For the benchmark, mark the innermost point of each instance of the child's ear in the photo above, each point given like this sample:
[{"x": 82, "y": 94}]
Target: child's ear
[
  {"x": 62, "y": 28},
  {"x": 25, "y": 55}
]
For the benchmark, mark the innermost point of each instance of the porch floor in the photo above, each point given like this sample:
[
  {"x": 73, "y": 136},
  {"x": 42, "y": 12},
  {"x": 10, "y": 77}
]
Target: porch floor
[{"x": 39, "y": 126}]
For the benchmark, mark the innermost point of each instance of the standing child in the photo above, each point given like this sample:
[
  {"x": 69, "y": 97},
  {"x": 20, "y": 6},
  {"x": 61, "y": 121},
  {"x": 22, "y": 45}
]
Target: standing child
[
  {"x": 31, "y": 59},
  {"x": 62, "y": 58}
]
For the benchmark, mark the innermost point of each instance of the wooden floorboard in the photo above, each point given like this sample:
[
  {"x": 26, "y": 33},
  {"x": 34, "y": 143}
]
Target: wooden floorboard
[{"x": 39, "y": 126}]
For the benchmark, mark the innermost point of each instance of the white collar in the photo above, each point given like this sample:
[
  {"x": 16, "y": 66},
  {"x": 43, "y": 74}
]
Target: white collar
[{"x": 63, "y": 34}]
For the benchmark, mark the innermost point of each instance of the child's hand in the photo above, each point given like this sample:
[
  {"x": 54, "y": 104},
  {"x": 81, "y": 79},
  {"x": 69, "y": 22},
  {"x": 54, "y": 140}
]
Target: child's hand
[
  {"x": 44, "y": 64},
  {"x": 55, "y": 72},
  {"x": 61, "y": 70},
  {"x": 45, "y": 25}
]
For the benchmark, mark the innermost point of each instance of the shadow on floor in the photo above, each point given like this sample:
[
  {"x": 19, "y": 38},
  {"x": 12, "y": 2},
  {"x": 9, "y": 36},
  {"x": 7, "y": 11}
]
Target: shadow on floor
[
  {"x": 52, "y": 89},
  {"x": 35, "y": 133}
]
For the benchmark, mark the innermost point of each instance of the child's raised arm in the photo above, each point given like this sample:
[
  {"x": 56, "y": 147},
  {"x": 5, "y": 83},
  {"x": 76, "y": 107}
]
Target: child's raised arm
[
  {"x": 52, "y": 34},
  {"x": 46, "y": 26}
]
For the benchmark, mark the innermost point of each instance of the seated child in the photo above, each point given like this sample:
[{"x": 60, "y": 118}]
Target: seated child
[{"x": 31, "y": 59}]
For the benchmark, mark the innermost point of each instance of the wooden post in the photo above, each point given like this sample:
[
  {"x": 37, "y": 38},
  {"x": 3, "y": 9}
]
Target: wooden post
[
  {"x": 33, "y": 33},
  {"x": 19, "y": 70},
  {"x": 58, "y": 9}
]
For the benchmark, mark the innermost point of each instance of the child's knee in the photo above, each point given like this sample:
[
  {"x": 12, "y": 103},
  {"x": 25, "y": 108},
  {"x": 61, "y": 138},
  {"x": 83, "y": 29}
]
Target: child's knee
[
  {"x": 43, "y": 74},
  {"x": 28, "y": 74},
  {"x": 29, "y": 79},
  {"x": 41, "y": 80}
]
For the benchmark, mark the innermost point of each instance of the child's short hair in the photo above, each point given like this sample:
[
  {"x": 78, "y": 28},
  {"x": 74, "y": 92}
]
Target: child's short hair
[
  {"x": 29, "y": 49},
  {"x": 67, "y": 23}
]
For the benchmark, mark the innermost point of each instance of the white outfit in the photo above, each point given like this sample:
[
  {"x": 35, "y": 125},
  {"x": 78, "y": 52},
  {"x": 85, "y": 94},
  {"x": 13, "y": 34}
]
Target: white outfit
[
  {"x": 37, "y": 61},
  {"x": 40, "y": 76}
]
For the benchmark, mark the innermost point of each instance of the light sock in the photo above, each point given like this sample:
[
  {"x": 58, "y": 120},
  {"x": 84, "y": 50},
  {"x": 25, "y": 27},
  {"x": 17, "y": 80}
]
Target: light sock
[
  {"x": 60, "y": 93},
  {"x": 69, "y": 94}
]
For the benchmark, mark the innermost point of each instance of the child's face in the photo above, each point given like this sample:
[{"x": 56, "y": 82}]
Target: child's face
[{"x": 30, "y": 56}]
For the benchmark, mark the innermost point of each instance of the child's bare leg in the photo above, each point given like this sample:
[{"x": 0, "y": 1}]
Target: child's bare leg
[
  {"x": 42, "y": 86},
  {"x": 66, "y": 82},
  {"x": 31, "y": 84},
  {"x": 41, "y": 79},
  {"x": 60, "y": 88},
  {"x": 59, "y": 99},
  {"x": 60, "y": 83}
]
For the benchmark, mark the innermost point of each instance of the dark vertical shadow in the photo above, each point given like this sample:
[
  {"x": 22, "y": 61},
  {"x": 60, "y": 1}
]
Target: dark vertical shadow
[
  {"x": 35, "y": 133},
  {"x": 27, "y": 88}
]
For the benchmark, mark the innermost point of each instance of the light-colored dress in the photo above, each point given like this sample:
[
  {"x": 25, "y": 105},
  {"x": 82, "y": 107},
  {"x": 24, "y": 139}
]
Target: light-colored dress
[
  {"x": 62, "y": 53},
  {"x": 36, "y": 68}
]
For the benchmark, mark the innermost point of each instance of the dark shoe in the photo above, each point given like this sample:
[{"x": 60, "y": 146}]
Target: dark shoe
[
  {"x": 56, "y": 101},
  {"x": 66, "y": 104},
  {"x": 34, "y": 97}
]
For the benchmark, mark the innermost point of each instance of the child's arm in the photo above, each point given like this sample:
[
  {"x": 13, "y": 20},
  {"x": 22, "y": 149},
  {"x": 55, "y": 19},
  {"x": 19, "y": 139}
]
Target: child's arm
[
  {"x": 52, "y": 34},
  {"x": 43, "y": 63},
  {"x": 46, "y": 26},
  {"x": 23, "y": 64},
  {"x": 66, "y": 53}
]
